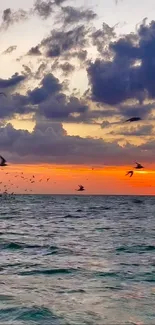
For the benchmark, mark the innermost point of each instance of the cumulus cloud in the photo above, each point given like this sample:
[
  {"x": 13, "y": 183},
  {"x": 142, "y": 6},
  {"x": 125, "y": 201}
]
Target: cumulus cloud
[
  {"x": 49, "y": 86},
  {"x": 130, "y": 73},
  {"x": 50, "y": 143}
]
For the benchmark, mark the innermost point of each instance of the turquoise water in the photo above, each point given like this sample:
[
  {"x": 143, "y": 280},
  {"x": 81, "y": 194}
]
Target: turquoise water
[{"x": 77, "y": 260}]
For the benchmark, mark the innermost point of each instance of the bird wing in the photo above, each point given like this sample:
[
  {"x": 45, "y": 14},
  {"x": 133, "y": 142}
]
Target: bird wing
[{"x": 2, "y": 160}]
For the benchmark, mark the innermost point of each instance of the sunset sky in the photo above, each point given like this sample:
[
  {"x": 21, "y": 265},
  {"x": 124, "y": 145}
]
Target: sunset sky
[{"x": 73, "y": 72}]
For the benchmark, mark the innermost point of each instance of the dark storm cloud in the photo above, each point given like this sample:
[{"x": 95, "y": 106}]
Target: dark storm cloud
[
  {"x": 72, "y": 15},
  {"x": 10, "y": 17},
  {"x": 10, "y": 49},
  {"x": 14, "y": 81},
  {"x": 34, "y": 51},
  {"x": 49, "y": 142}
]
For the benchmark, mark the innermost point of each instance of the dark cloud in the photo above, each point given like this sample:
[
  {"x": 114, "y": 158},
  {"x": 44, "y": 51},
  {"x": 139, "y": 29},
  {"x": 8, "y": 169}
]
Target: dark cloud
[
  {"x": 49, "y": 142},
  {"x": 10, "y": 49},
  {"x": 62, "y": 108},
  {"x": 67, "y": 68},
  {"x": 16, "y": 104},
  {"x": 14, "y": 81},
  {"x": 72, "y": 15},
  {"x": 59, "y": 2},
  {"x": 49, "y": 86},
  {"x": 60, "y": 42},
  {"x": 43, "y": 8},
  {"x": 34, "y": 51},
  {"x": 101, "y": 38},
  {"x": 10, "y": 17},
  {"x": 130, "y": 74},
  {"x": 144, "y": 110}
]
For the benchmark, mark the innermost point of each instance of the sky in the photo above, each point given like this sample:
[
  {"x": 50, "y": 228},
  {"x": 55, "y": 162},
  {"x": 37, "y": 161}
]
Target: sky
[{"x": 73, "y": 72}]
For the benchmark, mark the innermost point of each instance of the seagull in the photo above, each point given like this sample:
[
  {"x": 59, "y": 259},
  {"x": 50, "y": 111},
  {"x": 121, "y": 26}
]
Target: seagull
[
  {"x": 81, "y": 188},
  {"x": 133, "y": 119},
  {"x": 130, "y": 172},
  {"x": 139, "y": 166},
  {"x": 3, "y": 161}
]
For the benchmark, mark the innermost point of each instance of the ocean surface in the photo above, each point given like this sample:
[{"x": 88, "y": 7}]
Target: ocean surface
[{"x": 75, "y": 260}]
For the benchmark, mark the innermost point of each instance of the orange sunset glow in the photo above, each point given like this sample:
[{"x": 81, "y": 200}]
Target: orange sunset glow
[{"x": 65, "y": 180}]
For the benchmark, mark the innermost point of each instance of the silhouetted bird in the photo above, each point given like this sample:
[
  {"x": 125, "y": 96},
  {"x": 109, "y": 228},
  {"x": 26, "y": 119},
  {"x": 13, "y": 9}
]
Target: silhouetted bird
[
  {"x": 81, "y": 188},
  {"x": 139, "y": 166},
  {"x": 3, "y": 161},
  {"x": 133, "y": 119},
  {"x": 130, "y": 172}
]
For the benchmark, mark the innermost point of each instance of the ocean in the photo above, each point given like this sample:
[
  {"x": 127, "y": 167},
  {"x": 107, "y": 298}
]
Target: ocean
[{"x": 75, "y": 260}]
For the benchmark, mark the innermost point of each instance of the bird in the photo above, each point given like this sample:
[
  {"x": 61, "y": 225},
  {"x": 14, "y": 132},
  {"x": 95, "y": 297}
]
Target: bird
[
  {"x": 133, "y": 119},
  {"x": 139, "y": 166},
  {"x": 3, "y": 161},
  {"x": 81, "y": 188},
  {"x": 130, "y": 172}
]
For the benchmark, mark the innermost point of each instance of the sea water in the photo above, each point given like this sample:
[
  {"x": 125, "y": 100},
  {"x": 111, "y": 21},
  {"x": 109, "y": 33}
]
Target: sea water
[{"x": 77, "y": 260}]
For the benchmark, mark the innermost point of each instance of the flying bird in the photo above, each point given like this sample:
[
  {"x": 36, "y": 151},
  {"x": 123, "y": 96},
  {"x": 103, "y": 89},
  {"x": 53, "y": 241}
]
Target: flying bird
[
  {"x": 130, "y": 172},
  {"x": 139, "y": 166},
  {"x": 3, "y": 161},
  {"x": 81, "y": 188},
  {"x": 133, "y": 119}
]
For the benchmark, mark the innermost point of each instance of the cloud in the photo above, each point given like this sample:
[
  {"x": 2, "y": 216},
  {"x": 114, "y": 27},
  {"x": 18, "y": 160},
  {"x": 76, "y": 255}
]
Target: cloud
[
  {"x": 130, "y": 73},
  {"x": 134, "y": 131},
  {"x": 10, "y": 17},
  {"x": 67, "y": 68},
  {"x": 43, "y": 8},
  {"x": 50, "y": 143},
  {"x": 10, "y": 49},
  {"x": 14, "y": 81},
  {"x": 49, "y": 86},
  {"x": 62, "y": 108},
  {"x": 34, "y": 51},
  {"x": 72, "y": 15},
  {"x": 61, "y": 42},
  {"x": 101, "y": 38}
]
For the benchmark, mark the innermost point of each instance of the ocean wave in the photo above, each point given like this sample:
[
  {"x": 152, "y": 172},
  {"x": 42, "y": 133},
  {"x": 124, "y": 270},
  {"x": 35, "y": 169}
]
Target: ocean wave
[{"x": 49, "y": 271}]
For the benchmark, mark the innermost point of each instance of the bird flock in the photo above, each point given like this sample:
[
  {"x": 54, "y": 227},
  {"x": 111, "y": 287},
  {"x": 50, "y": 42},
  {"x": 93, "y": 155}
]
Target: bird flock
[{"x": 81, "y": 188}]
